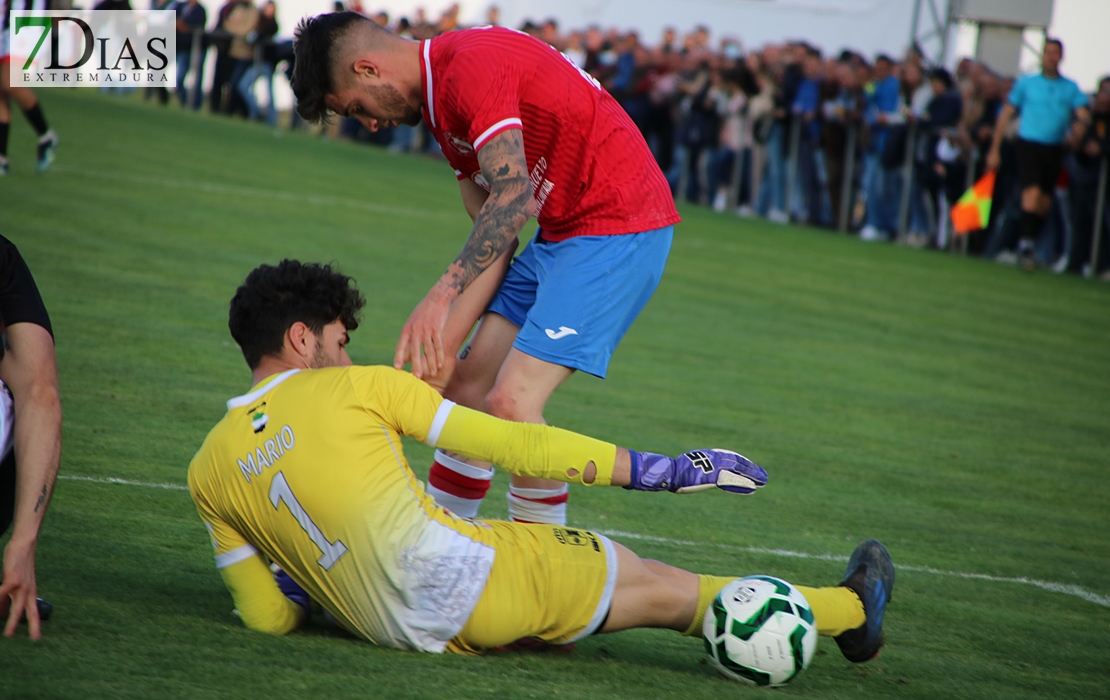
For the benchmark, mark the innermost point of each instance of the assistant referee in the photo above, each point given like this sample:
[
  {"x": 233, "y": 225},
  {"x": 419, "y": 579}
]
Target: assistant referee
[{"x": 1046, "y": 102}]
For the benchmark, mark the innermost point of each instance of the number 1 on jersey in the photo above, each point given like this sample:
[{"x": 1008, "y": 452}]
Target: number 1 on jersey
[{"x": 280, "y": 491}]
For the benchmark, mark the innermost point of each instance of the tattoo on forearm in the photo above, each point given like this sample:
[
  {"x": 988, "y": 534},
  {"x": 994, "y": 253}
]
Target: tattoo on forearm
[
  {"x": 42, "y": 498},
  {"x": 506, "y": 210}
]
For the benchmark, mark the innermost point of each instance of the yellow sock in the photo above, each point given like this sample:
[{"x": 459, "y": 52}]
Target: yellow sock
[
  {"x": 708, "y": 588},
  {"x": 835, "y": 610}
]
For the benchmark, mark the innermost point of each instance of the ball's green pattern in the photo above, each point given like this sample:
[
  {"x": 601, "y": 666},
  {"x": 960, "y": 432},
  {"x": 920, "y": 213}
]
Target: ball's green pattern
[
  {"x": 757, "y": 677},
  {"x": 759, "y": 630},
  {"x": 744, "y": 629}
]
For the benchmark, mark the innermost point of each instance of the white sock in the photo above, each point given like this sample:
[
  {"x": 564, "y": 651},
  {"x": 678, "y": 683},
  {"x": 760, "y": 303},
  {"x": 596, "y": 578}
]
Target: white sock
[
  {"x": 458, "y": 486},
  {"x": 538, "y": 505}
]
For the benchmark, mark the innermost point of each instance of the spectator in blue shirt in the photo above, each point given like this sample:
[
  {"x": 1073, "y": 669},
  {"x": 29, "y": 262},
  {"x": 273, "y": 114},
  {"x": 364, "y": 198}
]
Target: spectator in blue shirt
[
  {"x": 808, "y": 96},
  {"x": 1046, "y": 102},
  {"x": 191, "y": 17},
  {"x": 883, "y": 100},
  {"x": 808, "y": 204},
  {"x": 882, "y": 109}
]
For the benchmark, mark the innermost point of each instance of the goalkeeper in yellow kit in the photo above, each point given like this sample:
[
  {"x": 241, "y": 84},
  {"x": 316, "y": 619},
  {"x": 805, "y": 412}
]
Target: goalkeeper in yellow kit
[{"x": 306, "y": 471}]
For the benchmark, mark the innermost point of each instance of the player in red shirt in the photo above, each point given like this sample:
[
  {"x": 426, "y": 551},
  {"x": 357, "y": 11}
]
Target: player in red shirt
[{"x": 527, "y": 133}]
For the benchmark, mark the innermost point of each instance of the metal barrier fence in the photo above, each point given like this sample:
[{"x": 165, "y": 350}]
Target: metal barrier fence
[
  {"x": 848, "y": 180},
  {"x": 198, "y": 50},
  {"x": 792, "y": 156},
  {"x": 194, "y": 65},
  {"x": 1100, "y": 212},
  {"x": 913, "y": 134},
  {"x": 792, "y": 167},
  {"x": 907, "y": 180},
  {"x": 969, "y": 182}
]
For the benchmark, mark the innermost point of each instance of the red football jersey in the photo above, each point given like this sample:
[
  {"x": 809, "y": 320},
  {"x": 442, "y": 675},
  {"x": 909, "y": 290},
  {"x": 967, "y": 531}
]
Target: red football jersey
[{"x": 592, "y": 172}]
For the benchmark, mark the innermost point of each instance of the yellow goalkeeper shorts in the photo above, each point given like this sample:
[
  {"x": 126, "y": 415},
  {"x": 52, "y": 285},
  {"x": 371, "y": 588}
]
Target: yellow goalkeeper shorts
[{"x": 548, "y": 582}]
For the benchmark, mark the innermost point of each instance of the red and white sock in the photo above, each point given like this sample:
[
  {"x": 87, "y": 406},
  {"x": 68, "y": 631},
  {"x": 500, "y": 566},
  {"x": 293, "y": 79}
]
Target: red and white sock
[
  {"x": 457, "y": 486},
  {"x": 538, "y": 505}
]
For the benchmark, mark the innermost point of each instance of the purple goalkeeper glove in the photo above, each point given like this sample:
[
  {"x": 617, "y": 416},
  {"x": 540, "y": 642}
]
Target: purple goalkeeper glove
[
  {"x": 293, "y": 592},
  {"x": 695, "y": 471}
]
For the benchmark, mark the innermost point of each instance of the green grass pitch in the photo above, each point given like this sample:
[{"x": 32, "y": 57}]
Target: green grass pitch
[{"x": 957, "y": 410}]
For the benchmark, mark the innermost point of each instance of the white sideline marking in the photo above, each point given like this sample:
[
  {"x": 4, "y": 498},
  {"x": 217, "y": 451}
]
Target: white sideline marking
[
  {"x": 742, "y": 548},
  {"x": 125, "y": 482},
  {"x": 1065, "y": 588},
  {"x": 257, "y": 192}
]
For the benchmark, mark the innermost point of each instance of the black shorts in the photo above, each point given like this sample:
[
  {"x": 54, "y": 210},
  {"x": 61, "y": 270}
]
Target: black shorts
[
  {"x": 7, "y": 491},
  {"x": 1038, "y": 164}
]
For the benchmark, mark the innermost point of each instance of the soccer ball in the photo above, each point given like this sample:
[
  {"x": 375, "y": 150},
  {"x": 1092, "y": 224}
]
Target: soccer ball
[{"x": 759, "y": 630}]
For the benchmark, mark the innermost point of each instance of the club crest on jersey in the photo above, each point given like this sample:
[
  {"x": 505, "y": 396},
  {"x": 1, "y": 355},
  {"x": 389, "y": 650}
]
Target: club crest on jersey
[
  {"x": 461, "y": 146},
  {"x": 577, "y": 538},
  {"x": 259, "y": 419},
  {"x": 701, "y": 461}
]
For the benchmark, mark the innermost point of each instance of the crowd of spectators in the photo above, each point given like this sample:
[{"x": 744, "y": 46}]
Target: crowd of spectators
[
  {"x": 243, "y": 39},
  {"x": 878, "y": 146}
]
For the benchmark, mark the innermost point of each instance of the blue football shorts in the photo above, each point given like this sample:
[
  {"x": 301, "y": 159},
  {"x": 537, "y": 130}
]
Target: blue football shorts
[{"x": 575, "y": 299}]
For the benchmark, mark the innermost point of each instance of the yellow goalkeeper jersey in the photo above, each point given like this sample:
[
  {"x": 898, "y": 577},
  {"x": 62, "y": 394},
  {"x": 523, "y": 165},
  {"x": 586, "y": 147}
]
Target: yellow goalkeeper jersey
[{"x": 308, "y": 470}]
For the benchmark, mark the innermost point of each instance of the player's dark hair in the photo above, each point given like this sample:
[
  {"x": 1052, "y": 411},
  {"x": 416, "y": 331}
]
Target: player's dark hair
[
  {"x": 1053, "y": 40},
  {"x": 273, "y": 298},
  {"x": 315, "y": 42}
]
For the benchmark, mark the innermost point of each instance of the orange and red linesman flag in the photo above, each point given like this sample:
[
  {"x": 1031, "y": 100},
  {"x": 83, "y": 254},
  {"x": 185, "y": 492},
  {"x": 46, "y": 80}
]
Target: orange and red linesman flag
[{"x": 973, "y": 210}]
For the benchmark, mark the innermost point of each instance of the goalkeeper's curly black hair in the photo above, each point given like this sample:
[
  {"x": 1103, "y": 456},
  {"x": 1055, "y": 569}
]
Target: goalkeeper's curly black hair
[{"x": 273, "y": 298}]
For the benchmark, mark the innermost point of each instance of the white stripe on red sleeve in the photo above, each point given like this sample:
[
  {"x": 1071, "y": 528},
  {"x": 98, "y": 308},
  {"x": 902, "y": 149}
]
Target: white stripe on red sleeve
[
  {"x": 428, "y": 75},
  {"x": 500, "y": 126}
]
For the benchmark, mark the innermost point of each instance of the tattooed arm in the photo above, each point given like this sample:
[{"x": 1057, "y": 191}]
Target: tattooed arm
[
  {"x": 472, "y": 303},
  {"x": 30, "y": 371},
  {"x": 466, "y": 311},
  {"x": 498, "y": 222}
]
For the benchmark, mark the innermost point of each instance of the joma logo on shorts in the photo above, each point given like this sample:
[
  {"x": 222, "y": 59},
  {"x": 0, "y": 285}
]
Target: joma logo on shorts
[{"x": 561, "y": 333}]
